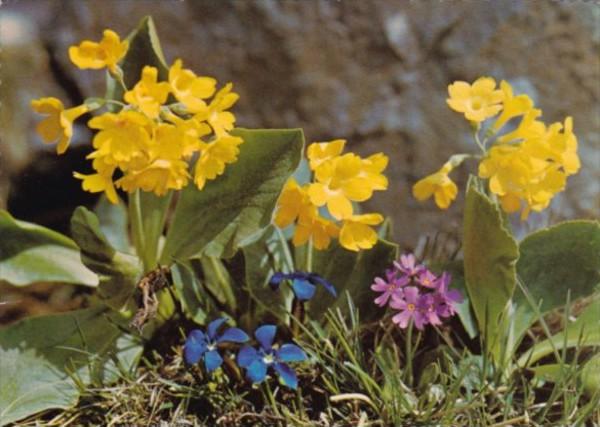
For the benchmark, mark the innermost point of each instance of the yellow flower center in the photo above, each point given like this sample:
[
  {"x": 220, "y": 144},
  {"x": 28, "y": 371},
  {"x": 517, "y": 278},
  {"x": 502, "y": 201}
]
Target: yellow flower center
[{"x": 410, "y": 307}]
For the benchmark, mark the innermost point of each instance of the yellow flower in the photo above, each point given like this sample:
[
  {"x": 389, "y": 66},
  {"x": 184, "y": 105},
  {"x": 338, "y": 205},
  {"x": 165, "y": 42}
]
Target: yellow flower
[
  {"x": 106, "y": 53},
  {"x": 190, "y": 89},
  {"x": 169, "y": 142},
  {"x": 529, "y": 128},
  {"x": 521, "y": 180},
  {"x": 356, "y": 232},
  {"x": 159, "y": 176},
  {"x": 220, "y": 120},
  {"x": 192, "y": 133},
  {"x": 372, "y": 168},
  {"x": 98, "y": 183},
  {"x": 344, "y": 179},
  {"x": 294, "y": 206},
  {"x": 478, "y": 101},
  {"x": 147, "y": 94},
  {"x": 214, "y": 156},
  {"x": 320, "y": 152},
  {"x": 439, "y": 185},
  {"x": 563, "y": 146},
  {"x": 58, "y": 125},
  {"x": 123, "y": 138},
  {"x": 512, "y": 106},
  {"x": 317, "y": 228},
  {"x": 293, "y": 203}
]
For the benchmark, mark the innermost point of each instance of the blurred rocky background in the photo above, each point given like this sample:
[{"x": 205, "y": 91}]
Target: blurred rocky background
[{"x": 373, "y": 72}]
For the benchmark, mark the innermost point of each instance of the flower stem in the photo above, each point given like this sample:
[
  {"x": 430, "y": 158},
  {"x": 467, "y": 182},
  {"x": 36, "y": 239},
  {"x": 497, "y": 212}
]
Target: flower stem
[
  {"x": 309, "y": 256},
  {"x": 135, "y": 216},
  {"x": 409, "y": 355},
  {"x": 286, "y": 250},
  {"x": 271, "y": 398}
]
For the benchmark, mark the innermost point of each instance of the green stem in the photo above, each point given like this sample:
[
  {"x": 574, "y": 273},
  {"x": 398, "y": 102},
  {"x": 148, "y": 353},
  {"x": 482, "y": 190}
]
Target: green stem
[
  {"x": 286, "y": 250},
  {"x": 309, "y": 256},
  {"x": 271, "y": 398},
  {"x": 135, "y": 216},
  {"x": 409, "y": 356}
]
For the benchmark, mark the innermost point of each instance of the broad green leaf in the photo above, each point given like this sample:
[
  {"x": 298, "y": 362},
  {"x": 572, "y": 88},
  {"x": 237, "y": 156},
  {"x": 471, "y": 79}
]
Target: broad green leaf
[
  {"x": 113, "y": 223},
  {"x": 218, "y": 282},
  {"x": 590, "y": 376},
  {"x": 585, "y": 331},
  {"x": 351, "y": 272},
  {"x": 552, "y": 372},
  {"x": 30, "y": 253},
  {"x": 118, "y": 272},
  {"x": 233, "y": 209},
  {"x": 41, "y": 356},
  {"x": 558, "y": 260},
  {"x": 490, "y": 255},
  {"x": 144, "y": 49},
  {"x": 193, "y": 298}
]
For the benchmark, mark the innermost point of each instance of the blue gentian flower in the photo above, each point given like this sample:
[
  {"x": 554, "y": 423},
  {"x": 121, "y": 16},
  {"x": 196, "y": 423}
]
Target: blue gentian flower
[
  {"x": 304, "y": 284},
  {"x": 200, "y": 345},
  {"x": 256, "y": 362}
]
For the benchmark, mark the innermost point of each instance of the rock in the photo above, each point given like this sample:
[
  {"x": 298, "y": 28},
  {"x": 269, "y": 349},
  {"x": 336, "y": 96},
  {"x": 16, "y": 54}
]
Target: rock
[{"x": 374, "y": 72}]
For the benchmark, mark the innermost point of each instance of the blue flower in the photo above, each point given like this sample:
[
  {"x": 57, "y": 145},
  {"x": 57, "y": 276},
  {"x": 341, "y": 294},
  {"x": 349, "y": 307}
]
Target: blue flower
[
  {"x": 256, "y": 362},
  {"x": 304, "y": 285},
  {"x": 200, "y": 345}
]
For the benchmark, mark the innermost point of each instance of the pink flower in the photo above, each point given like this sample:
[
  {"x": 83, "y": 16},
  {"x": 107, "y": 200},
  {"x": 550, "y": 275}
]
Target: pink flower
[
  {"x": 426, "y": 278},
  {"x": 446, "y": 299},
  {"x": 429, "y": 307},
  {"x": 393, "y": 286},
  {"x": 408, "y": 265},
  {"x": 408, "y": 305}
]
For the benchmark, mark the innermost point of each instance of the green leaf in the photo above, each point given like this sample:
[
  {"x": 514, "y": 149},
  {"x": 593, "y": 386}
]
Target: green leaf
[
  {"x": 560, "y": 259},
  {"x": 585, "y": 331},
  {"x": 351, "y": 272},
  {"x": 590, "y": 376},
  {"x": 490, "y": 255},
  {"x": 149, "y": 213},
  {"x": 193, "y": 299},
  {"x": 118, "y": 272},
  {"x": 258, "y": 300},
  {"x": 30, "y": 253},
  {"x": 113, "y": 223},
  {"x": 43, "y": 358},
  {"x": 144, "y": 49},
  {"x": 234, "y": 209}
]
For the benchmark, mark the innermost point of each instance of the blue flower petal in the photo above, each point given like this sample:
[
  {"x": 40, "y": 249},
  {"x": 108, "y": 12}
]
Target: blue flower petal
[
  {"x": 303, "y": 289},
  {"x": 246, "y": 356},
  {"x": 234, "y": 335},
  {"x": 212, "y": 360},
  {"x": 195, "y": 346},
  {"x": 265, "y": 335},
  {"x": 291, "y": 353},
  {"x": 257, "y": 371},
  {"x": 287, "y": 375},
  {"x": 276, "y": 280},
  {"x": 213, "y": 327},
  {"x": 316, "y": 279}
]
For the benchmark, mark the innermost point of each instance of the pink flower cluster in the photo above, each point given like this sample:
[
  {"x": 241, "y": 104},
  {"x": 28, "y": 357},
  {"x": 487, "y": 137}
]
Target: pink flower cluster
[{"x": 416, "y": 293}]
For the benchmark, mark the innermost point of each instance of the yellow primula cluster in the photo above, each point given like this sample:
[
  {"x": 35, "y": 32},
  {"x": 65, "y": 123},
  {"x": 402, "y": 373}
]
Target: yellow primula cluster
[
  {"x": 160, "y": 129},
  {"x": 338, "y": 180},
  {"x": 525, "y": 161}
]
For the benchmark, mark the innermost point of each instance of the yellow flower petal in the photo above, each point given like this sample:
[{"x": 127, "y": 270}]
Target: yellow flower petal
[
  {"x": 107, "y": 53},
  {"x": 478, "y": 101}
]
